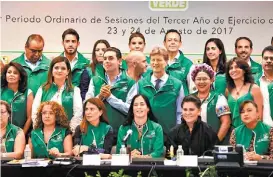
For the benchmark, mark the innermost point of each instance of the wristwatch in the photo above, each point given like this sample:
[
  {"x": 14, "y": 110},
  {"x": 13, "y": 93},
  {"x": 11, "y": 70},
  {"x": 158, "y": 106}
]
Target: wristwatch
[{"x": 262, "y": 156}]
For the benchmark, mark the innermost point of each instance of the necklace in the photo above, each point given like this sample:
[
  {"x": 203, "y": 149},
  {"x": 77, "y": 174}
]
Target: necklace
[{"x": 238, "y": 91}]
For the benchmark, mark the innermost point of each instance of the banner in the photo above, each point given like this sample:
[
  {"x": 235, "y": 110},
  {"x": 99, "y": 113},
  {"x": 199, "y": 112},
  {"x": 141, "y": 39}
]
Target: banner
[{"x": 116, "y": 20}]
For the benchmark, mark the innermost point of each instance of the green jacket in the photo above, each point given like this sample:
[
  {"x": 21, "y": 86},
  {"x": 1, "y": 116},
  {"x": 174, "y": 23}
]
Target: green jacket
[
  {"x": 256, "y": 68},
  {"x": 261, "y": 135},
  {"x": 151, "y": 141},
  {"x": 81, "y": 64},
  {"x": 40, "y": 148},
  {"x": 99, "y": 133},
  {"x": 163, "y": 101},
  {"x": 18, "y": 104},
  {"x": 220, "y": 84},
  {"x": 180, "y": 70},
  {"x": 270, "y": 91},
  {"x": 38, "y": 76},
  {"x": 120, "y": 90},
  {"x": 212, "y": 118},
  {"x": 67, "y": 98},
  {"x": 11, "y": 133}
]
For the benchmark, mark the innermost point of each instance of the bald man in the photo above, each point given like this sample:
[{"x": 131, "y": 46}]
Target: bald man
[{"x": 137, "y": 64}]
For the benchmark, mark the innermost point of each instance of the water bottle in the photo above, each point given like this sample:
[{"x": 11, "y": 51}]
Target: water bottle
[
  {"x": 27, "y": 153},
  {"x": 179, "y": 154},
  {"x": 123, "y": 149}
]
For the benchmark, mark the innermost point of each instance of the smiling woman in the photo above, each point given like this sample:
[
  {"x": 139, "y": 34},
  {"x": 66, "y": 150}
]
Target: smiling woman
[
  {"x": 59, "y": 88},
  {"x": 241, "y": 87}
]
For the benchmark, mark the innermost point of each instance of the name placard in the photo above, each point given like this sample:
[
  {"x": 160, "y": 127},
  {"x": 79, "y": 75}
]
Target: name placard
[
  {"x": 188, "y": 161},
  {"x": 91, "y": 159},
  {"x": 120, "y": 160}
]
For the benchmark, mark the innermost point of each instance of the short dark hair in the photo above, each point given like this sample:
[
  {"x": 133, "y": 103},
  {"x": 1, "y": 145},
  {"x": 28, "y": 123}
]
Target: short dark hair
[
  {"x": 242, "y": 105},
  {"x": 192, "y": 98},
  {"x": 72, "y": 32},
  {"x": 130, "y": 116},
  {"x": 36, "y": 37},
  {"x": 23, "y": 76},
  {"x": 136, "y": 34},
  {"x": 221, "y": 66},
  {"x": 267, "y": 49},
  {"x": 245, "y": 38},
  {"x": 114, "y": 49},
  {"x": 242, "y": 64},
  {"x": 2, "y": 102},
  {"x": 172, "y": 31}
]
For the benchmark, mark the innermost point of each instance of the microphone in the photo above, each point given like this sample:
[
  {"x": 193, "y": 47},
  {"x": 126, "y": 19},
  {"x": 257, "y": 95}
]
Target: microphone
[
  {"x": 129, "y": 132},
  {"x": 80, "y": 145}
]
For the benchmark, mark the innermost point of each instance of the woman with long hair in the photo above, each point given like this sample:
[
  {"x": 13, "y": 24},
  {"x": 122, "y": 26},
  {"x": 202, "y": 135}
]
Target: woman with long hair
[
  {"x": 241, "y": 87},
  {"x": 146, "y": 139},
  {"x": 59, "y": 88},
  {"x": 253, "y": 134},
  {"x": 12, "y": 137},
  {"x": 94, "y": 134},
  {"x": 95, "y": 67},
  {"x": 51, "y": 136},
  {"x": 215, "y": 110},
  {"x": 14, "y": 90},
  {"x": 215, "y": 56}
]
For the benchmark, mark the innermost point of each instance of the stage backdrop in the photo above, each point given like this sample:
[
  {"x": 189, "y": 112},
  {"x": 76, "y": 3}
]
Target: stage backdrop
[{"x": 115, "y": 21}]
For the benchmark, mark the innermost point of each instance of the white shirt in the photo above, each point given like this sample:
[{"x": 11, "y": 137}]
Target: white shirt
[
  {"x": 77, "y": 105},
  {"x": 267, "y": 119},
  {"x": 32, "y": 65},
  {"x": 74, "y": 61}
]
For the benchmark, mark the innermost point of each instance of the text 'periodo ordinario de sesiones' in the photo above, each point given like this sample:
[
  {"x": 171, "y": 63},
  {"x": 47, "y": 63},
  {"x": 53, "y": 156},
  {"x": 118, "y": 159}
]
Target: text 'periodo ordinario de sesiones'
[{"x": 138, "y": 21}]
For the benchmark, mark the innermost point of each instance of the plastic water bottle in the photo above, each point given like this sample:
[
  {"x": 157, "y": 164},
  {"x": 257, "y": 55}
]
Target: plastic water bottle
[
  {"x": 179, "y": 154},
  {"x": 123, "y": 149},
  {"x": 27, "y": 153}
]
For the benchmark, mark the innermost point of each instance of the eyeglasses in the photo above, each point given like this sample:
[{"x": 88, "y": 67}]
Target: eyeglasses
[
  {"x": 35, "y": 51},
  {"x": 50, "y": 113},
  {"x": 4, "y": 112},
  {"x": 268, "y": 58},
  {"x": 204, "y": 79}
]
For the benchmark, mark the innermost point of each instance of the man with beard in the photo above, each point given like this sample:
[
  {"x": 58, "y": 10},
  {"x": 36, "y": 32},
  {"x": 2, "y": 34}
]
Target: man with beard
[
  {"x": 243, "y": 49},
  {"x": 71, "y": 41},
  {"x": 265, "y": 80},
  {"x": 34, "y": 62},
  {"x": 137, "y": 64},
  {"x": 112, "y": 88}
]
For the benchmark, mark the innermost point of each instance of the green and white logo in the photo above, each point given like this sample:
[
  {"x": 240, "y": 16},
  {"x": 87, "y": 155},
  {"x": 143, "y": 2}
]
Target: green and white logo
[{"x": 168, "y": 5}]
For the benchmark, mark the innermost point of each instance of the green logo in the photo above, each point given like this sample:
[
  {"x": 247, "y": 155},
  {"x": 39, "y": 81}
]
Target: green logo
[{"x": 168, "y": 5}]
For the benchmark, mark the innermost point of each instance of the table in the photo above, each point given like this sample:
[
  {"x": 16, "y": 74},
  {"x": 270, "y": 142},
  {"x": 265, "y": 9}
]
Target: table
[{"x": 78, "y": 170}]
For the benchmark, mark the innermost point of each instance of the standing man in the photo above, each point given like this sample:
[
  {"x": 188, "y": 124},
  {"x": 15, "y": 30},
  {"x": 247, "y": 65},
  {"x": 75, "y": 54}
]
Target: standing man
[
  {"x": 137, "y": 64},
  {"x": 179, "y": 66},
  {"x": 34, "y": 62},
  {"x": 265, "y": 80},
  {"x": 164, "y": 92},
  {"x": 71, "y": 41},
  {"x": 243, "y": 49},
  {"x": 112, "y": 88}
]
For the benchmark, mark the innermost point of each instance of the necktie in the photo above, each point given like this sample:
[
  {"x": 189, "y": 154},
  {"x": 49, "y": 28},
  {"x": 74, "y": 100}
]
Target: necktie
[{"x": 157, "y": 84}]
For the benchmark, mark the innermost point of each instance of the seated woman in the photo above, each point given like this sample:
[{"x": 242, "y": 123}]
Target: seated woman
[
  {"x": 59, "y": 88},
  {"x": 94, "y": 135},
  {"x": 254, "y": 135},
  {"x": 12, "y": 137},
  {"x": 51, "y": 136},
  {"x": 215, "y": 110},
  {"x": 193, "y": 134},
  {"x": 146, "y": 139}
]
